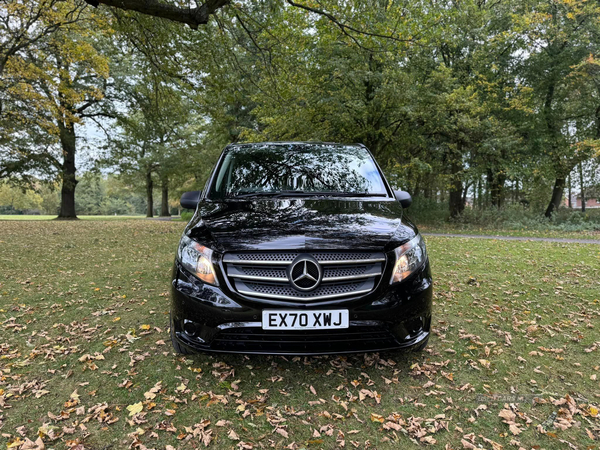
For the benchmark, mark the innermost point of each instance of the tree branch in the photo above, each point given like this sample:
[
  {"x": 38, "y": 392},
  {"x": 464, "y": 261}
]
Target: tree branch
[
  {"x": 190, "y": 16},
  {"x": 342, "y": 26}
]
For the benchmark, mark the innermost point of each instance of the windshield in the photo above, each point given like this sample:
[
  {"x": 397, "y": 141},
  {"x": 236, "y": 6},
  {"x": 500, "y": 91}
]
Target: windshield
[{"x": 297, "y": 169}]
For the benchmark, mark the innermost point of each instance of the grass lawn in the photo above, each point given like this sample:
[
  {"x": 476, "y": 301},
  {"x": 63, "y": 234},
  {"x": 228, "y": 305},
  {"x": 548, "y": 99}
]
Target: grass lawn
[
  {"x": 524, "y": 232},
  {"x": 44, "y": 217},
  {"x": 86, "y": 363}
]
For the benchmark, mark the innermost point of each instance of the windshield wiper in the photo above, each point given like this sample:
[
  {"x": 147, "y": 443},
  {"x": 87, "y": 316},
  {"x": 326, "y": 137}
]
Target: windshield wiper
[
  {"x": 268, "y": 194},
  {"x": 357, "y": 194},
  {"x": 307, "y": 194}
]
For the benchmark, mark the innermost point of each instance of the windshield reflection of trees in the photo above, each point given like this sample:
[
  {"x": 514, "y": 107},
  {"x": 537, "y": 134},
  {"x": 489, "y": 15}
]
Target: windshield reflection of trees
[{"x": 274, "y": 169}]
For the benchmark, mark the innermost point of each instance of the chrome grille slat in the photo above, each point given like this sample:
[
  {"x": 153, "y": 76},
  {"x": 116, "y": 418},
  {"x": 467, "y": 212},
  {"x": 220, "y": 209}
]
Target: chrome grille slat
[
  {"x": 244, "y": 272},
  {"x": 287, "y": 263},
  {"x": 257, "y": 263},
  {"x": 351, "y": 261},
  {"x": 256, "y": 278},
  {"x": 264, "y": 274},
  {"x": 350, "y": 277},
  {"x": 320, "y": 297}
]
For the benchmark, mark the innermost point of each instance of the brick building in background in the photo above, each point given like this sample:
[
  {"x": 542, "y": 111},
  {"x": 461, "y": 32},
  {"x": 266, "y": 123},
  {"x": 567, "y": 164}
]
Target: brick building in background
[{"x": 591, "y": 201}]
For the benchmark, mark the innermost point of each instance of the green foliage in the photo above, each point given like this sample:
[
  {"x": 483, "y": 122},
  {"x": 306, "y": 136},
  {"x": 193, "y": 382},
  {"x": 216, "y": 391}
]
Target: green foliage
[
  {"x": 99, "y": 195},
  {"x": 487, "y": 102},
  {"x": 510, "y": 218},
  {"x": 446, "y": 98},
  {"x": 14, "y": 199},
  {"x": 187, "y": 215}
]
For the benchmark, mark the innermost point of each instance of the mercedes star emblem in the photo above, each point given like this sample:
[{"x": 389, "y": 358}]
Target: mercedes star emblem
[{"x": 305, "y": 273}]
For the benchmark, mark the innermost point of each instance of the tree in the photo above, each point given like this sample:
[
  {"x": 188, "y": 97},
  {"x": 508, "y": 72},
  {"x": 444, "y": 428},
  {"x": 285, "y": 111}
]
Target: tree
[
  {"x": 160, "y": 138},
  {"x": 414, "y": 96},
  {"x": 13, "y": 198},
  {"x": 58, "y": 83},
  {"x": 557, "y": 36},
  {"x": 459, "y": 100},
  {"x": 24, "y": 24}
]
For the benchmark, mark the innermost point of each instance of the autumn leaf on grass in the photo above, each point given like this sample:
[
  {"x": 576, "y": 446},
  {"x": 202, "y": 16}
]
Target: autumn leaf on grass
[
  {"x": 507, "y": 415},
  {"x": 282, "y": 432},
  {"x": 376, "y": 418},
  {"x": 485, "y": 363},
  {"x": 233, "y": 435},
  {"x": 151, "y": 394},
  {"x": 429, "y": 440},
  {"x": 73, "y": 400},
  {"x": 30, "y": 445},
  {"x": 87, "y": 357},
  {"x": 467, "y": 445},
  {"x": 144, "y": 327},
  {"x": 495, "y": 445},
  {"x": 15, "y": 444},
  {"x": 509, "y": 419},
  {"x": 135, "y": 408}
]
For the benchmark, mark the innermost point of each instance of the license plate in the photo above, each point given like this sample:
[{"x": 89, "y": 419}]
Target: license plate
[{"x": 273, "y": 319}]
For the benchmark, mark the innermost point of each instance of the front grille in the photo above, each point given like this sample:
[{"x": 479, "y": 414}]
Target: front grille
[
  {"x": 265, "y": 274},
  {"x": 355, "y": 339},
  {"x": 330, "y": 290}
]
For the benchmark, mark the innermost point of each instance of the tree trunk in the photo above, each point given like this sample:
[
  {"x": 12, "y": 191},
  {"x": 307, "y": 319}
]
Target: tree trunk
[
  {"x": 149, "y": 197},
  {"x": 557, "y": 196},
  {"x": 417, "y": 188},
  {"x": 69, "y": 182},
  {"x": 553, "y": 134},
  {"x": 465, "y": 193},
  {"x": 456, "y": 201},
  {"x": 582, "y": 187},
  {"x": 570, "y": 193},
  {"x": 496, "y": 187},
  {"x": 456, "y": 189},
  {"x": 428, "y": 189},
  {"x": 164, "y": 203}
]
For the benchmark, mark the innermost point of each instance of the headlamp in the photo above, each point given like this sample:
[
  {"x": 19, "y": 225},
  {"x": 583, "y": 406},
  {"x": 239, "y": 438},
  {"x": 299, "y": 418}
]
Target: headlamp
[{"x": 409, "y": 257}]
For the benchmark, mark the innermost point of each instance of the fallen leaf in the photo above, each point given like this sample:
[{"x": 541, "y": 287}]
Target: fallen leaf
[{"x": 135, "y": 408}]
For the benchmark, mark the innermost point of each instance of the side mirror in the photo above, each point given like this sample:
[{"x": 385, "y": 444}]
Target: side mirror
[
  {"x": 189, "y": 200},
  {"x": 404, "y": 198}
]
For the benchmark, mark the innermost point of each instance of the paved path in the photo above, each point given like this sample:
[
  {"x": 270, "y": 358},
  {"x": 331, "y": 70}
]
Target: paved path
[
  {"x": 517, "y": 238},
  {"x": 164, "y": 218}
]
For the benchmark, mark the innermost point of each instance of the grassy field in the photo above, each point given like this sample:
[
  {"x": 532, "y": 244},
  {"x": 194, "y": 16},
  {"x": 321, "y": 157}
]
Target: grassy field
[
  {"x": 43, "y": 217},
  {"x": 510, "y": 232},
  {"x": 85, "y": 359}
]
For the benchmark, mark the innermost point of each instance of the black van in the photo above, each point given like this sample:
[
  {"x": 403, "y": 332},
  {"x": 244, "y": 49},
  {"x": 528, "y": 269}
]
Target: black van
[{"x": 299, "y": 248}]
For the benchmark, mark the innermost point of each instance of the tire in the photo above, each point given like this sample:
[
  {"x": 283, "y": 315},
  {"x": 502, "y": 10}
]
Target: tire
[{"x": 176, "y": 345}]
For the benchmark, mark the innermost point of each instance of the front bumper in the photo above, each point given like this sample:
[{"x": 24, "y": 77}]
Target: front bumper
[{"x": 207, "y": 319}]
